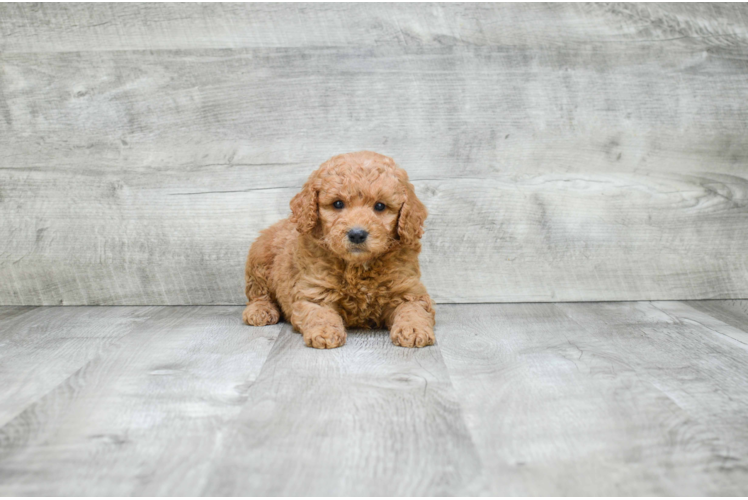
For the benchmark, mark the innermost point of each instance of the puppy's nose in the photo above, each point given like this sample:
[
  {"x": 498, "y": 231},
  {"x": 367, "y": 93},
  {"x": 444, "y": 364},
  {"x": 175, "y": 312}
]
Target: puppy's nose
[{"x": 357, "y": 235}]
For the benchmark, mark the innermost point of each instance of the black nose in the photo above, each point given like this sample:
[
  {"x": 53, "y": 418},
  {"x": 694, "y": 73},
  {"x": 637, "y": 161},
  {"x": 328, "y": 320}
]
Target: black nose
[{"x": 357, "y": 235}]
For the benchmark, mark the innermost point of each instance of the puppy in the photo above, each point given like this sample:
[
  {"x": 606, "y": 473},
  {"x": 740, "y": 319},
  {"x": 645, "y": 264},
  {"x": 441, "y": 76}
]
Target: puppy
[{"x": 347, "y": 256}]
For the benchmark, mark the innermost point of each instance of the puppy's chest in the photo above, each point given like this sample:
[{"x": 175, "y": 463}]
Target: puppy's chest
[{"x": 362, "y": 295}]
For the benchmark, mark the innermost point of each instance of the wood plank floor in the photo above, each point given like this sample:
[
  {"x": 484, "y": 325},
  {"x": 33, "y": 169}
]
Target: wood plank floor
[{"x": 628, "y": 398}]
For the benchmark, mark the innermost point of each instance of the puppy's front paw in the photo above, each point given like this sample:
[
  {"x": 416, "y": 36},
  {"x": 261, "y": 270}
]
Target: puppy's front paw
[
  {"x": 324, "y": 337},
  {"x": 261, "y": 313},
  {"x": 412, "y": 335}
]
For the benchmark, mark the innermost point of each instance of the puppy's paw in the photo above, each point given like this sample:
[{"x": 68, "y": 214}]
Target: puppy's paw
[
  {"x": 325, "y": 337},
  {"x": 412, "y": 335},
  {"x": 261, "y": 313}
]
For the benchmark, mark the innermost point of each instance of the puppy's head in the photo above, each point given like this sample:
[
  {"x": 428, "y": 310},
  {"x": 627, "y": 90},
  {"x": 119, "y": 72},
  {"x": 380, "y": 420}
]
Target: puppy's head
[{"x": 360, "y": 205}]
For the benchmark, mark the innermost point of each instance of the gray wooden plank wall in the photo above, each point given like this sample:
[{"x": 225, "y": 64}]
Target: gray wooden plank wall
[{"x": 567, "y": 152}]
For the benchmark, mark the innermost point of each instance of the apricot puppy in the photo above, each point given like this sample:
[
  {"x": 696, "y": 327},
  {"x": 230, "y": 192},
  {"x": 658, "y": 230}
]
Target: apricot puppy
[{"x": 347, "y": 256}]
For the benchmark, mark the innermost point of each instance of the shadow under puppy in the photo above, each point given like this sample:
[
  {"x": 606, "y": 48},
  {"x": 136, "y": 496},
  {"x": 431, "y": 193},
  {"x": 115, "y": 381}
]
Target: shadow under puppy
[{"x": 347, "y": 256}]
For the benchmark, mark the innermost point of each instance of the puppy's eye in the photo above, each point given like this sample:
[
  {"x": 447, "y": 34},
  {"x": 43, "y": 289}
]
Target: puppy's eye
[
  {"x": 338, "y": 204},
  {"x": 379, "y": 206}
]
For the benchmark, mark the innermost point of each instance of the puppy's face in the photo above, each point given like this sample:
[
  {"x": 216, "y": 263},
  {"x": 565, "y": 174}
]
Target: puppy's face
[
  {"x": 360, "y": 205},
  {"x": 358, "y": 216}
]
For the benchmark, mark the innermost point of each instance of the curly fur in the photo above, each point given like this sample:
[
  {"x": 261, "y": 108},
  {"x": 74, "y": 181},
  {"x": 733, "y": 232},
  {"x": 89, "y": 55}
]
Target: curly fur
[{"x": 305, "y": 268}]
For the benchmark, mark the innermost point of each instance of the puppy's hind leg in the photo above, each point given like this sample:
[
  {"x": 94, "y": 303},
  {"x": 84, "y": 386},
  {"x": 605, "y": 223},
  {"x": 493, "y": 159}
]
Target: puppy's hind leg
[{"x": 261, "y": 309}]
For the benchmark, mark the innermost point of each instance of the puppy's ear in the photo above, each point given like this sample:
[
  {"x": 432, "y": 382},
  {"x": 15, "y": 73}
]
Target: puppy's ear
[
  {"x": 304, "y": 208},
  {"x": 413, "y": 214}
]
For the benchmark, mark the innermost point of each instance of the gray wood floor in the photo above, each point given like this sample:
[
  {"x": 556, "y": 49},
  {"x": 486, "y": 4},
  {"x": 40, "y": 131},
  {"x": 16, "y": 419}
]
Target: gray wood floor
[{"x": 538, "y": 399}]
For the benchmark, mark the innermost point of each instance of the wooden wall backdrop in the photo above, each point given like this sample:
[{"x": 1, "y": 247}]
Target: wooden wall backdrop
[{"x": 566, "y": 152}]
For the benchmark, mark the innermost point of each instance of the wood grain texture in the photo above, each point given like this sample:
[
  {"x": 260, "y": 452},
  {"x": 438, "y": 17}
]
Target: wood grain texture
[
  {"x": 715, "y": 320},
  {"x": 599, "y": 399},
  {"x": 42, "y": 347},
  {"x": 141, "y": 419},
  {"x": 367, "y": 419},
  {"x": 565, "y": 152},
  {"x": 74, "y": 27},
  {"x": 732, "y": 312},
  {"x": 515, "y": 399},
  {"x": 701, "y": 371},
  {"x": 7, "y": 313}
]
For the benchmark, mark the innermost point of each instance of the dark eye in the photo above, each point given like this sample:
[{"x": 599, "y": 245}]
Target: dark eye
[
  {"x": 338, "y": 204},
  {"x": 379, "y": 206}
]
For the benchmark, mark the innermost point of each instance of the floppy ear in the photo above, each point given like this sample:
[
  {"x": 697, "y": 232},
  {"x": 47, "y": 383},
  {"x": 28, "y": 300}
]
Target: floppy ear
[
  {"x": 412, "y": 216},
  {"x": 304, "y": 208}
]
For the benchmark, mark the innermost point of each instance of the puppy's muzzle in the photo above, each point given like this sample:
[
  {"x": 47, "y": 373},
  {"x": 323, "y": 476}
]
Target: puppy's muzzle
[{"x": 357, "y": 235}]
